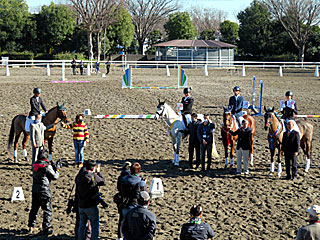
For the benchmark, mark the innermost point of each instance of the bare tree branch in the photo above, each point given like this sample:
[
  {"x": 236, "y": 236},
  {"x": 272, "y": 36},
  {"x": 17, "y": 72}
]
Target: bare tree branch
[{"x": 297, "y": 17}]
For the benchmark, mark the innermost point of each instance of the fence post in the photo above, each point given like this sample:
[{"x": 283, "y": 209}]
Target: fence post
[
  {"x": 88, "y": 69},
  {"x": 243, "y": 74},
  {"x": 63, "y": 71},
  {"x": 206, "y": 70},
  {"x": 167, "y": 71},
  {"x": 48, "y": 70},
  {"x": 280, "y": 72},
  {"x": 316, "y": 73}
]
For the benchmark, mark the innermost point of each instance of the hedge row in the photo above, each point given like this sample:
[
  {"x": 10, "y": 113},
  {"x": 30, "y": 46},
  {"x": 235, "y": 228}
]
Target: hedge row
[{"x": 41, "y": 56}]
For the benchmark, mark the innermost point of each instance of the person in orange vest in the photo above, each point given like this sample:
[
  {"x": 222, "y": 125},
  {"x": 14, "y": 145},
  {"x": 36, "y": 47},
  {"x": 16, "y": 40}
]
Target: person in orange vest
[{"x": 80, "y": 137}]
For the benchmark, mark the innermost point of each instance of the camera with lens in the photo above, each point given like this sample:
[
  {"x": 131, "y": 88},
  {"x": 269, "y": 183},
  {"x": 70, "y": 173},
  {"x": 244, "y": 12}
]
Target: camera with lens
[{"x": 101, "y": 201}]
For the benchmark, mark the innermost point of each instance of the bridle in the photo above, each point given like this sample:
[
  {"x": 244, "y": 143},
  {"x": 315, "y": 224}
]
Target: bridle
[{"x": 268, "y": 124}]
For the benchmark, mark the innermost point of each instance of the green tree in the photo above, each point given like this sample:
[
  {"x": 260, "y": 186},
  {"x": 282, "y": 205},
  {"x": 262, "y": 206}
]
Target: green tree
[
  {"x": 28, "y": 40},
  {"x": 121, "y": 32},
  {"x": 155, "y": 37},
  {"x": 55, "y": 23},
  {"x": 313, "y": 45},
  {"x": 229, "y": 32},
  {"x": 254, "y": 30},
  {"x": 13, "y": 15},
  {"x": 180, "y": 26},
  {"x": 207, "y": 34}
]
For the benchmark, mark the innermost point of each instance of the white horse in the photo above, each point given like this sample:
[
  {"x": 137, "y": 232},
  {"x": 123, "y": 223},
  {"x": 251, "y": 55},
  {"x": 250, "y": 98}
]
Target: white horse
[{"x": 175, "y": 127}]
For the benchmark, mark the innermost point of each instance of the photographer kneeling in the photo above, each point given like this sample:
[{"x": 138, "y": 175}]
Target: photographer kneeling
[
  {"x": 88, "y": 195},
  {"x": 43, "y": 172}
]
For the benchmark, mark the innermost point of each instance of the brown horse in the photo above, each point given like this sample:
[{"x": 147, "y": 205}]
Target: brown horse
[
  {"x": 18, "y": 127},
  {"x": 227, "y": 139},
  {"x": 275, "y": 134}
]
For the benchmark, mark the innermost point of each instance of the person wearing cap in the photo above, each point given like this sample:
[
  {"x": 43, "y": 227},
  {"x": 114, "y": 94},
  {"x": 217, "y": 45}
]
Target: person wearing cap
[
  {"x": 244, "y": 134},
  {"x": 236, "y": 104},
  {"x": 194, "y": 141},
  {"x": 312, "y": 230},
  {"x": 187, "y": 103},
  {"x": 195, "y": 229},
  {"x": 290, "y": 150},
  {"x": 205, "y": 136},
  {"x": 131, "y": 186},
  {"x": 139, "y": 222},
  {"x": 118, "y": 199},
  {"x": 289, "y": 107},
  {"x": 43, "y": 173},
  {"x": 80, "y": 137},
  {"x": 87, "y": 188}
]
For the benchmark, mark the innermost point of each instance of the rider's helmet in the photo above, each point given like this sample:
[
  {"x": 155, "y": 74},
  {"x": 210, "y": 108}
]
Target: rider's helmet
[
  {"x": 289, "y": 94},
  {"x": 36, "y": 90},
  {"x": 236, "y": 88},
  {"x": 186, "y": 90}
]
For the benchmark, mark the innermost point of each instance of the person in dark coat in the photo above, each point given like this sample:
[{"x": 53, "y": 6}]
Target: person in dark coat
[
  {"x": 87, "y": 190},
  {"x": 312, "y": 230},
  {"x": 236, "y": 103},
  {"x": 187, "y": 101},
  {"x": 195, "y": 229},
  {"x": 194, "y": 141},
  {"x": 81, "y": 66},
  {"x": 108, "y": 67},
  {"x": 36, "y": 102},
  {"x": 289, "y": 108},
  {"x": 290, "y": 150},
  {"x": 119, "y": 201},
  {"x": 43, "y": 173},
  {"x": 243, "y": 147},
  {"x": 205, "y": 136},
  {"x": 74, "y": 66},
  {"x": 140, "y": 223}
]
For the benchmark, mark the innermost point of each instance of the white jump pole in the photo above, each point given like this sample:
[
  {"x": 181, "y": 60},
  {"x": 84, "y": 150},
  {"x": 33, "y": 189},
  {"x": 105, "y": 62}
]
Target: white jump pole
[
  {"x": 280, "y": 72},
  {"x": 48, "y": 70},
  {"x": 63, "y": 71},
  {"x": 316, "y": 72},
  {"x": 206, "y": 70},
  {"x": 88, "y": 69},
  {"x": 167, "y": 71},
  {"x": 243, "y": 74}
]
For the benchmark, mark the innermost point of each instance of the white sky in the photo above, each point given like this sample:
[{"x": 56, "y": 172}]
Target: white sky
[{"x": 232, "y": 7}]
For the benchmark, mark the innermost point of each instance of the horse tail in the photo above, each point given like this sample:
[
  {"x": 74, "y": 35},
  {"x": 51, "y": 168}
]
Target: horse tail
[{"x": 11, "y": 134}]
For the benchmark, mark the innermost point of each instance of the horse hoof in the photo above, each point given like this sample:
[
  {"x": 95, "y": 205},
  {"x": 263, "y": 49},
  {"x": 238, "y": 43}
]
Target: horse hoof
[
  {"x": 251, "y": 164},
  {"x": 306, "y": 170},
  {"x": 26, "y": 159},
  {"x": 271, "y": 174},
  {"x": 225, "y": 166}
]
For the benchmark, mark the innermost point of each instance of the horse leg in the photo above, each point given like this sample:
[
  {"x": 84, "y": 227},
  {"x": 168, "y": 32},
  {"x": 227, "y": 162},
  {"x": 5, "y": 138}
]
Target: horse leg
[
  {"x": 279, "y": 162},
  {"x": 225, "y": 145},
  {"x": 178, "y": 142},
  {"x": 174, "y": 149},
  {"x": 307, "y": 152},
  {"x": 272, "y": 152},
  {"x": 50, "y": 147},
  {"x": 233, "y": 144},
  {"x": 15, "y": 152},
  {"x": 24, "y": 145},
  {"x": 251, "y": 153}
]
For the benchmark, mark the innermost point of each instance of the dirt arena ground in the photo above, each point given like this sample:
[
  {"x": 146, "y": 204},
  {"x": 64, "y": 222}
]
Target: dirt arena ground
[{"x": 252, "y": 207}]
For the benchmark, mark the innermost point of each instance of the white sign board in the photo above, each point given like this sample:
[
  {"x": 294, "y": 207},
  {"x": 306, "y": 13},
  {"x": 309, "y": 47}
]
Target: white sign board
[
  {"x": 17, "y": 194},
  {"x": 156, "y": 188}
]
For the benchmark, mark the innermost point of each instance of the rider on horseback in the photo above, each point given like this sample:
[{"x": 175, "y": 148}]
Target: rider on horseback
[
  {"x": 289, "y": 109},
  {"x": 187, "y": 102},
  {"x": 35, "y": 102},
  {"x": 236, "y": 104}
]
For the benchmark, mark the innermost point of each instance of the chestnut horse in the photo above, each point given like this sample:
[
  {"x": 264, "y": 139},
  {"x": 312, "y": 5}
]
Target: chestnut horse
[
  {"x": 227, "y": 139},
  {"x": 276, "y": 130},
  {"x": 18, "y": 127}
]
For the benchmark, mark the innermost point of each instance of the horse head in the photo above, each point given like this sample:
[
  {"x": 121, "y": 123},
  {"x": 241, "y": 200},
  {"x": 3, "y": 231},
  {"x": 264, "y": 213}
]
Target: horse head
[
  {"x": 268, "y": 117},
  {"x": 227, "y": 116},
  {"x": 62, "y": 112},
  {"x": 160, "y": 110}
]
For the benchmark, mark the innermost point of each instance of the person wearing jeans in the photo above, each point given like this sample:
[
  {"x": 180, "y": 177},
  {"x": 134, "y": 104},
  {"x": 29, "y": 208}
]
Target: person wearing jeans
[
  {"x": 87, "y": 183},
  {"x": 243, "y": 147},
  {"x": 80, "y": 137}
]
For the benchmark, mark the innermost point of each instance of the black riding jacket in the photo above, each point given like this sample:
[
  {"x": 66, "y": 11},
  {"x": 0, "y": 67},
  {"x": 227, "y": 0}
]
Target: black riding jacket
[
  {"x": 196, "y": 231},
  {"x": 187, "y": 105},
  {"x": 35, "y": 106},
  {"x": 43, "y": 173},
  {"x": 288, "y": 113}
]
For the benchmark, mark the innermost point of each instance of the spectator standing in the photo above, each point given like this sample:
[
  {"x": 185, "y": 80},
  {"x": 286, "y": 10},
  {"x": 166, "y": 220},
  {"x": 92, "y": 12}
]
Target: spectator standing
[
  {"x": 312, "y": 230},
  {"x": 80, "y": 137},
  {"x": 118, "y": 199},
  {"x": 97, "y": 66},
  {"x": 108, "y": 67},
  {"x": 243, "y": 147},
  {"x": 74, "y": 66},
  {"x": 194, "y": 143},
  {"x": 81, "y": 65},
  {"x": 43, "y": 173},
  {"x": 195, "y": 229},
  {"x": 205, "y": 136},
  {"x": 290, "y": 150},
  {"x": 88, "y": 182},
  {"x": 139, "y": 222}
]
